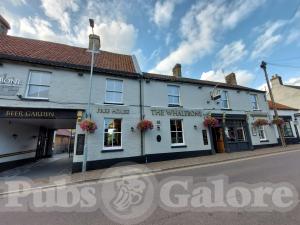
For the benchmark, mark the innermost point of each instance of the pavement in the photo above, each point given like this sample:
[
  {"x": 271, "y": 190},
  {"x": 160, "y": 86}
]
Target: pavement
[
  {"x": 45, "y": 173},
  {"x": 267, "y": 165}
]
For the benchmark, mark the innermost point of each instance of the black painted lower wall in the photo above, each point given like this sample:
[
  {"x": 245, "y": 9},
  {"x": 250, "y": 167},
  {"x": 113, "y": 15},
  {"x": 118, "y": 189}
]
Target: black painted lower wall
[
  {"x": 100, "y": 164},
  {"x": 13, "y": 164}
]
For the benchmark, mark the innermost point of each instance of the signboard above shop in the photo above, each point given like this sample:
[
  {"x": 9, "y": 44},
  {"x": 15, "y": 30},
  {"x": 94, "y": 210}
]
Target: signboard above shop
[
  {"x": 175, "y": 112},
  {"x": 9, "y": 86},
  {"x": 27, "y": 113}
]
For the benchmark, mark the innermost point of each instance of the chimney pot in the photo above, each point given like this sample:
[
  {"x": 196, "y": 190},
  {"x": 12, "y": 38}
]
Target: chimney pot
[
  {"x": 177, "y": 70},
  {"x": 231, "y": 79}
]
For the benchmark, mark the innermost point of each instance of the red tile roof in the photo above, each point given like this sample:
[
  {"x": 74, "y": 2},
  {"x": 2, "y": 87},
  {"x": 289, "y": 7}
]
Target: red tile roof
[
  {"x": 280, "y": 106},
  {"x": 49, "y": 53}
]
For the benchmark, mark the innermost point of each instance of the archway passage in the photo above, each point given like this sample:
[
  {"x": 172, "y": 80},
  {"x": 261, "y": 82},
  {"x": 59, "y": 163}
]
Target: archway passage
[{"x": 28, "y": 134}]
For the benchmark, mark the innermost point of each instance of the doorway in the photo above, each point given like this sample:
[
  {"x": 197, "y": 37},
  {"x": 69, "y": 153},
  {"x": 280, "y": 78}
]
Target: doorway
[{"x": 218, "y": 139}]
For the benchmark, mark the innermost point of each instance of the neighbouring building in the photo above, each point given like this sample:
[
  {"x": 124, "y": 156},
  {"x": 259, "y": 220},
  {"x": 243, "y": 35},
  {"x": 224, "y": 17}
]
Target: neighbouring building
[
  {"x": 44, "y": 87},
  {"x": 291, "y": 126},
  {"x": 288, "y": 95},
  {"x": 63, "y": 141}
]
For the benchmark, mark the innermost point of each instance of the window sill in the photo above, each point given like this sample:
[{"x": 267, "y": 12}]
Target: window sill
[
  {"x": 170, "y": 105},
  {"x": 264, "y": 141},
  {"x": 113, "y": 103},
  {"x": 257, "y": 110},
  {"x": 226, "y": 109},
  {"x": 35, "y": 99},
  {"x": 178, "y": 146},
  {"x": 112, "y": 150}
]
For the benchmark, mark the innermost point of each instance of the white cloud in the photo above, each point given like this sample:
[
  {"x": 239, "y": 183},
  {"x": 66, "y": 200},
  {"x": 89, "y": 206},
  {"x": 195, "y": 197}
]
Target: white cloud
[
  {"x": 163, "y": 12},
  {"x": 230, "y": 54},
  {"x": 243, "y": 77},
  {"x": 267, "y": 39},
  {"x": 18, "y": 2},
  {"x": 294, "y": 35},
  {"x": 116, "y": 34},
  {"x": 199, "y": 28},
  {"x": 271, "y": 33},
  {"x": 59, "y": 10},
  {"x": 293, "y": 81}
]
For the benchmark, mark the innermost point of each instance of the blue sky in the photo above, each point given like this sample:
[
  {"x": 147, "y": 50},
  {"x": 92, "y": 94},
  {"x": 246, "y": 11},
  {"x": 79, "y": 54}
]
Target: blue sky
[{"x": 209, "y": 38}]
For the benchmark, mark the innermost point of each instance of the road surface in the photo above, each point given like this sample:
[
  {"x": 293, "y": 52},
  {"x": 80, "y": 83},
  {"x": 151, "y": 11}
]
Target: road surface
[{"x": 275, "y": 169}]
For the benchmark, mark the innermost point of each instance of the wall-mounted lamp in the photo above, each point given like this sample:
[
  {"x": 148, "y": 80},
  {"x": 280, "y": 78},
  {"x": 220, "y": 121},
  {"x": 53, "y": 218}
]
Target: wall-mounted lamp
[
  {"x": 80, "y": 74},
  {"x": 199, "y": 87},
  {"x": 15, "y": 136},
  {"x": 132, "y": 129},
  {"x": 79, "y": 116},
  {"x": 195, "y": 127},
  {"x": 19, "y": 96}
]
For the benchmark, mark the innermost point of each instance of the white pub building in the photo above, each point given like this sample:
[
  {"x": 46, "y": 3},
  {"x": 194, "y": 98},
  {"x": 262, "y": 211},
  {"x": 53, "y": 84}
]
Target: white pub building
[{"x": 44, "y": 87}]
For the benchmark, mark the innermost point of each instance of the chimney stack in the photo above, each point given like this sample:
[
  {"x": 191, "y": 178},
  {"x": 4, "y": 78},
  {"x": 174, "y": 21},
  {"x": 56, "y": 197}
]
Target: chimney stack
[
  {"x": 177, "y": 70},
  {"x": 231, "y": 79},
  {"x": 96, "y": 39},
  {"x": 4, "y": 25},
  {"x": 276, "y": 80}
]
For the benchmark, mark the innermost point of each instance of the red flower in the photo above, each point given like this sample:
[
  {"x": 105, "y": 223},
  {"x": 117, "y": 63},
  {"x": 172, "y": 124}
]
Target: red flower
[
  {"x": 260, "y": 122},
  {"x": 210, "y": 121},
  {"x": 278, "y": 121},
  {"x": 88, "y": 125},
  {"x": 145, "y": 125}
]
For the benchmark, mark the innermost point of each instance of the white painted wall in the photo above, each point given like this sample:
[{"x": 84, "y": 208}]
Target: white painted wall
[{"x": 23, "y": 142}]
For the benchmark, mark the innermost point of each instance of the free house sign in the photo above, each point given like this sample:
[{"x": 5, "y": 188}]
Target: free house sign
[{"x": 9, "y": 86}]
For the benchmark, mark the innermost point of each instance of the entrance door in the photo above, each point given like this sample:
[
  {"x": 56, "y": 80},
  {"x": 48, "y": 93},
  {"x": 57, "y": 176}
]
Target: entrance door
[
  {"x": 218, "y": 139},
  {"x": 41, "y": 144}
]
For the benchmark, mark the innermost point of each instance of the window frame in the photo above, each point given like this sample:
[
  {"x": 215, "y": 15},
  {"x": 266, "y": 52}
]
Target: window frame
[
  {"x": 290, "y": 128},
  {"x": 262, "y": 128},
  {"x": 205, "y": 139},
  {"x": 182, "y": 131},
  {"x": 117, "y": 147},
  {"x": 28, "y": 84},
  {"x": 106, "y": 91},
  {"x": 256, "y": 101},
  {"x": 227, "y": 99},
  {"x": 179, "y": 100}
]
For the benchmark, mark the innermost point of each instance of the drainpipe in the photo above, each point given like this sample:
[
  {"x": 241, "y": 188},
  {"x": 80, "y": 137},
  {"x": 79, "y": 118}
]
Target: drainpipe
[{"x": 141, "y": 103}]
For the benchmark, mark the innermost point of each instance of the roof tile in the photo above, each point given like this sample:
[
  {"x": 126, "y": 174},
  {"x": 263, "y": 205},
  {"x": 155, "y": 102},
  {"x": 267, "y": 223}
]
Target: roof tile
[{"x": 60, "y": 53}]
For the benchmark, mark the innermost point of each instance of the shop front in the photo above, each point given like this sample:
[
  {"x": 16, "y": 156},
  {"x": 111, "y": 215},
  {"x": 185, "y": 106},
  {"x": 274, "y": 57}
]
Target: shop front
[{"x": 232, "y": 133}]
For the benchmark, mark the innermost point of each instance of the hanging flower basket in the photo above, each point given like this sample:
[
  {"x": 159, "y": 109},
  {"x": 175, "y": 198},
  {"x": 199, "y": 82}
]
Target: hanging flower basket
[
  {"x": 260, "y": 122},
  {"x": 88, "y": 126},
  {"x": 145, "y": 125},
  {"x": 210, "y": 121},
  {"x": 278, "y": 121}
]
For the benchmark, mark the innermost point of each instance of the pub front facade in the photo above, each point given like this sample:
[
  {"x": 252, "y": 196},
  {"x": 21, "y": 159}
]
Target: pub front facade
[{"x": 42, "y": 90}]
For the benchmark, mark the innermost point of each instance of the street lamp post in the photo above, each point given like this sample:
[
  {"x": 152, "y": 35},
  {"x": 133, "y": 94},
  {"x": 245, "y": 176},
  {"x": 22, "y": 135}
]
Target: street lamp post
[
  {"x": 88, "y": 111},
  {"x": 263, "y": 65}
]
